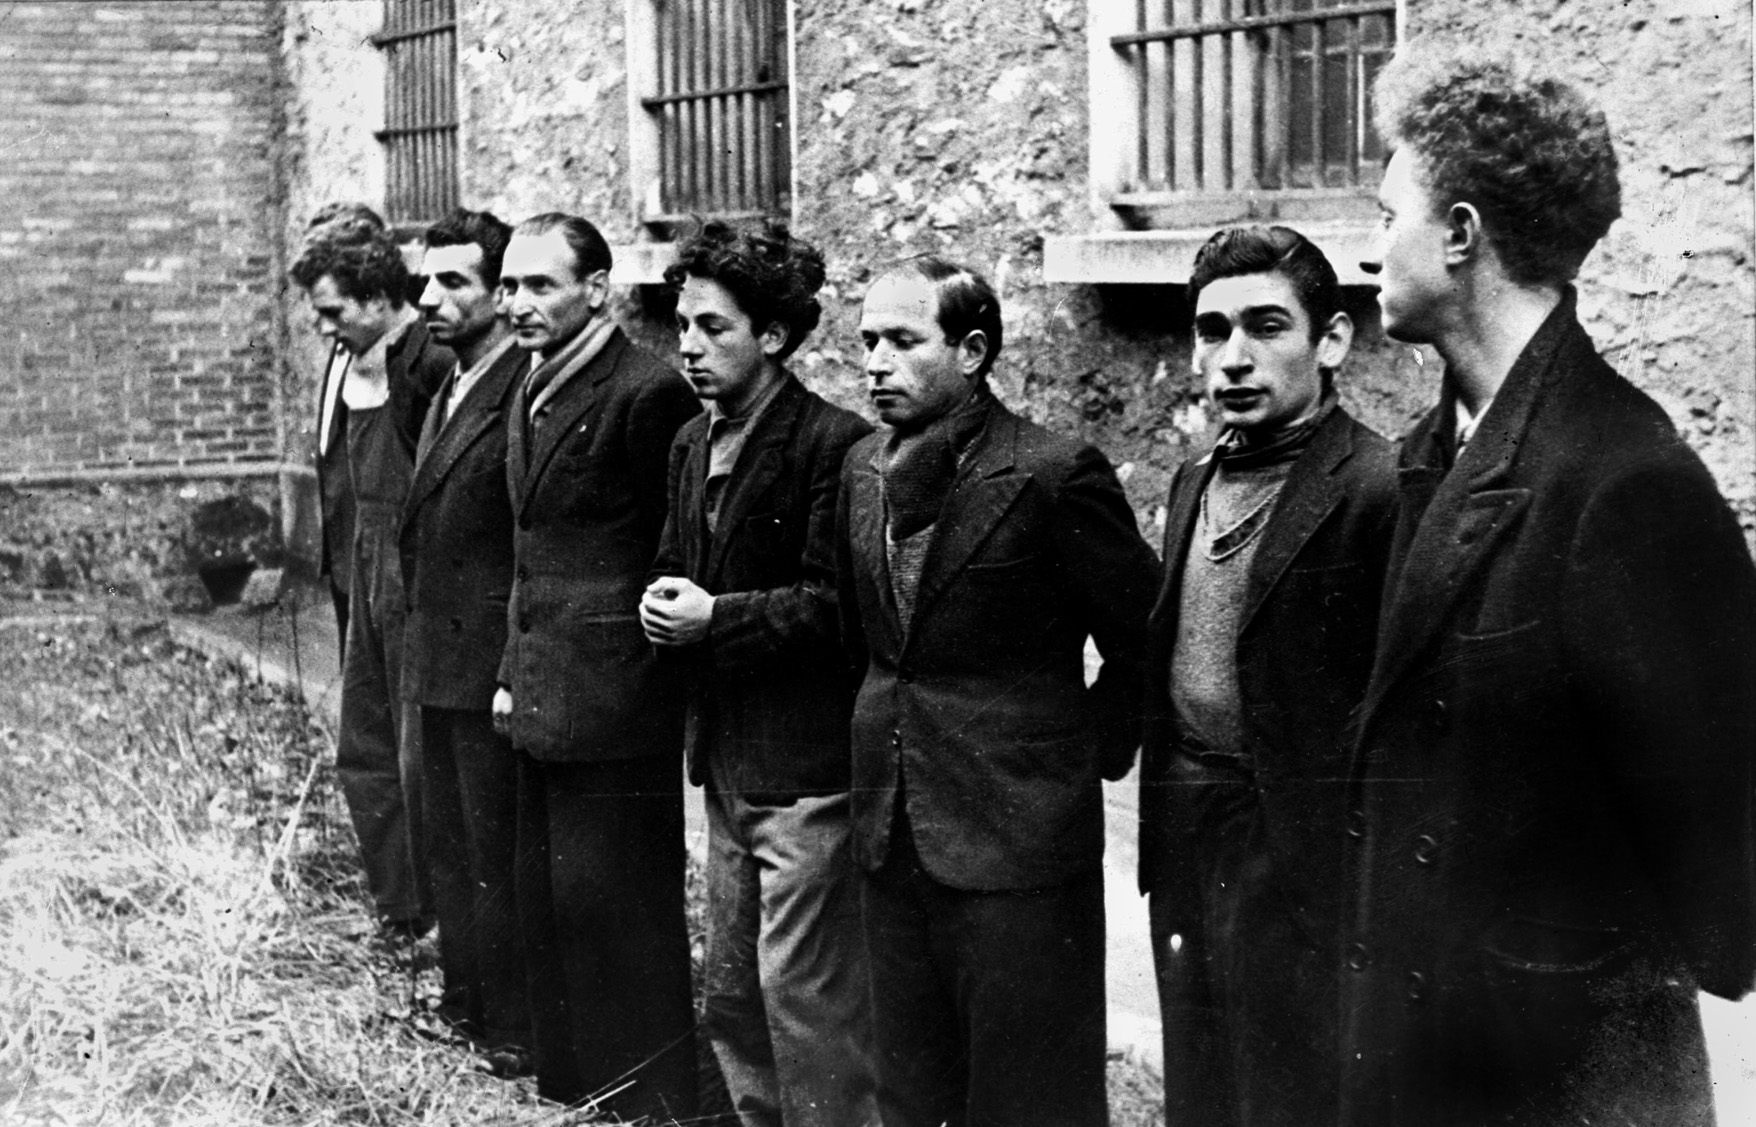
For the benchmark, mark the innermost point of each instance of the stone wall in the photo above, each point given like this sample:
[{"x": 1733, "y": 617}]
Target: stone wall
[{"x": 138, "y": 245}]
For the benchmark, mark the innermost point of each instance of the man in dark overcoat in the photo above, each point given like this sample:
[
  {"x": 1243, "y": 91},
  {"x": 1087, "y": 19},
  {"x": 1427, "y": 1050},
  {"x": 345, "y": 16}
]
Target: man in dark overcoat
[
  {"x": 743, "y": 595},
  {"x": 357, "y": 282},
  {"x": 1552, "y": 814},
  {"x": 1258, "y": 653},
  {"x": 597, "y": 723},
  {"x": 456, "y": 545},
  {"x": 977, "y": 552}
]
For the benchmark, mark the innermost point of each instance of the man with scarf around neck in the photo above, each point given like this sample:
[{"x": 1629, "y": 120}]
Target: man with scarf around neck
[
  {"x": 977, "y": 552},
  {"x": 456, "y": 546},
  {"x": 743, "y": 599},
  {"x": 1259, "y": 649},
  {"x": 1553, "y": 792},
  {"x": 356, "y": 280},
  {"x": 596, "y": 721}
]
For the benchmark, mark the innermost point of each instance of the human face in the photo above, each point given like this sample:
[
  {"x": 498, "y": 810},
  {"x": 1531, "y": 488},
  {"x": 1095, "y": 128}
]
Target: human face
[
  {"x": 724, "y": 358},
  {"x": 1408, "y": 252},
  {"x": 356, "y": 325},
  {"x": 457, "y": 305},
  {"x": 914, "y": 375},
  {"x": 1253, "y": 348},
  {"x": 547, "y": 303}
]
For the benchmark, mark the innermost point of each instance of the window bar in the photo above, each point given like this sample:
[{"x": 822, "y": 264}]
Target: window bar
[
  {"x": 744, "y": 76},
  {"x": 662, "y": 28},
  {"x": 671, "y": 117},
  {"x": 708, "y": 44},
  {"x": 1319, "y": 61},
  {"x": 1354, "y": 72},
  {"x": 1169, "y": 98},
  {"x": 783, "y": 118},
  {"x": 1282, "y": 40},
  {"x": 688, "y": 191},
  {"x": 768, "y": 180},
  {"x": 1199, "y": 108},
  {"x": 722, "y": 106},
  {"x": 1142, "y": 122}
]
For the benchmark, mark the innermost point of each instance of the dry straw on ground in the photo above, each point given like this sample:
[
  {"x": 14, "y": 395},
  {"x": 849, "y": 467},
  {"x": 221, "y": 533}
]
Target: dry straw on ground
[{"x": 183, "y": 938}]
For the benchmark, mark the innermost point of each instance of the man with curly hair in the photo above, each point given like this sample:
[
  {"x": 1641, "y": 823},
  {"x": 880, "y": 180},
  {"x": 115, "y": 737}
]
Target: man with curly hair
[
  {"x": 1551, "y": 809},
  {"x": 743, "y": 598},
  {"x": 356, "y": 280}
]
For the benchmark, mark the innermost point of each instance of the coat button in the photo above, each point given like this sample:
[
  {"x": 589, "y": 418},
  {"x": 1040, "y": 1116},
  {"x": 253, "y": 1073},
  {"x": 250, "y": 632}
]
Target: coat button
[
  {"x": 457, "y": 626},
  {"x": 1426, "y": 849},
  {"x": 1356, "y": 957},
  {"x": 905, "y": 676},
  {"x": 1356, "y": 824},
  {"x": 1417, "y": 986},
  {"x": 524, "y": 626},
  {"x": 523, "y": 572},
  {"x": 896, "y": 738},
  {"x": 1438, "y": 715}
]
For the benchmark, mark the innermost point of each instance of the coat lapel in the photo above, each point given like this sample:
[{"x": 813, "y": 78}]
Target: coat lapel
[
  {"x": 758, "y": 464},
  {"x": 983, "y": 492},
  {"x": 1185, "y": 503},
  {"x": 444, "y": 441},
  {"x": 568, "y": 411},
  {"x": 866, "y": 536},
  {"x": 1310, "y": 495}
]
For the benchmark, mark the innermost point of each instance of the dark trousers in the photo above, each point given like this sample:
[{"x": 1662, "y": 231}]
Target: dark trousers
[
  {"x": 1248, "y": 997},
  {"x": 988, "y": 1007},
  {"x": 377, "y": 753},
  {"x": 599, "y": 887},
  {"x": 469, "y": 794}
]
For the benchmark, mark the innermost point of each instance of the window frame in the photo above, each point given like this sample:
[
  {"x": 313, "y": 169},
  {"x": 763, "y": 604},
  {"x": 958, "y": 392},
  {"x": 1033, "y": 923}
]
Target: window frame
[{"x": 420, "y": 138}]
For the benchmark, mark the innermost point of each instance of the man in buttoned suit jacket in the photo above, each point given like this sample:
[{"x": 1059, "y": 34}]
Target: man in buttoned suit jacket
[
  {"x": 456, "y": 544},
  {"x": 596, "y": 721},
  {"x": 1554, "y": 762},
  {"x": 976, "y": 554},
  {"x": 744, "y": 594},
  {"x": 357, "y": 281},
  {"x": 1258, "y": 653}
]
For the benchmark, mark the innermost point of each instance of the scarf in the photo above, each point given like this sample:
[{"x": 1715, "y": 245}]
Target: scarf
[
  {"x": 548, "y": 377},
  {"x": 917, "y": 466},
  {"x": 1238, "y": 450}
]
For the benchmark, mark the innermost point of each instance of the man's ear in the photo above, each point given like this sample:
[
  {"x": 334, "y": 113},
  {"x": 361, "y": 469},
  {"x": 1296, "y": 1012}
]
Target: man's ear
[
  {"x": 597, "y": 289},
  {"x": 1333, "y": 345},
  {"x": 774, "y": 338},
  {"x": 972, "y": 351},
  {"x": 1463, "y": 233}
]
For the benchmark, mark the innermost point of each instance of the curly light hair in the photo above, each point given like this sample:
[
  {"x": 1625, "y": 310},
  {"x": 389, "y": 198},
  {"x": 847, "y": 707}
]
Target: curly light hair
[{"x": 1529, "y": 151}]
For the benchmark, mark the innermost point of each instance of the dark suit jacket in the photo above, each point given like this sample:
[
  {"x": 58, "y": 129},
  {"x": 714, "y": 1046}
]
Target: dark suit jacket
[
  {"x": 769, "y": 700},
  {"x": 1554, "y": 763},
  {"x": 1304, "y": 651},
  {"x": 981, "y": 704},
  {"x": 456, "y": 545},
  {"x": 589, "y": 501}
]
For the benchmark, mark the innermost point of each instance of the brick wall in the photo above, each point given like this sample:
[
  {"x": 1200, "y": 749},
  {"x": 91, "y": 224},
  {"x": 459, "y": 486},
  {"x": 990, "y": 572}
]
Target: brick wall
[{"x": 139, "y": 249}]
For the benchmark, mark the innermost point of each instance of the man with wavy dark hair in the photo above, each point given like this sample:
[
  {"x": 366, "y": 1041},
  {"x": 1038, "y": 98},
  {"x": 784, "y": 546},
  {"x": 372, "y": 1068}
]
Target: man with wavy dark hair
[
  {"x": 1257, "y": 655},
  {"x": 1552, "y": 804},
  {"x": 356, "y": 280},
  {"x": 743, "y": 598}
]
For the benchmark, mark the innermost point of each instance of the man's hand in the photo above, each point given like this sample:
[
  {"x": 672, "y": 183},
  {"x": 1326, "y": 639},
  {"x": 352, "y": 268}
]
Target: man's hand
[
  {"x": 502, "y": 709},
  {"x": 675, "y": 612}
]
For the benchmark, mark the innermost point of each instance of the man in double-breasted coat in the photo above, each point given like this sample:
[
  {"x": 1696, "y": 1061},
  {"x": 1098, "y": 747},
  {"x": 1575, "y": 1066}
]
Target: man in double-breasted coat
[
  {"x": 598, "y": 724},
  {"x": 1552, "y": 811},
  {"x": 743, "y": 597},
  {"x": 977, "y": 553},
  {"x": 1258, "y": 652},
  {"x": 456, "y": 545}
]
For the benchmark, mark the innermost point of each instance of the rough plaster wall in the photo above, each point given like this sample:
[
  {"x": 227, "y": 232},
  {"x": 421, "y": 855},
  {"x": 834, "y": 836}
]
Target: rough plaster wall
[
  {"x": 1669, "y": 296},
  {"x": 335, "y": 100},
  {"x": 543, "y": 95}
]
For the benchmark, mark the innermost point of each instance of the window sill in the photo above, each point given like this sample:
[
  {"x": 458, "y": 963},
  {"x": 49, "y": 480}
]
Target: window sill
[
  {"x": 640, "y": 264},
  {"x": 1163, "y": 257}
]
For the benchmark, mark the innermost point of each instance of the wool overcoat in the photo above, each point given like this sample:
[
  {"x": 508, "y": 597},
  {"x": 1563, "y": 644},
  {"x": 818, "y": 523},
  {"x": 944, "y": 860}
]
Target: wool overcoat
[
  {"x": 588, "y": 502},
  {"x": 979, "y": 709},
  {"x": 768, "y": 696},
  {"x": 1551, "y": 820}
]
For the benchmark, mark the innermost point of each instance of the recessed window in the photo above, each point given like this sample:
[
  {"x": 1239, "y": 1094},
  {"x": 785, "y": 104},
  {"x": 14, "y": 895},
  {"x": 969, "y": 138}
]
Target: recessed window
[{"x": 419, "y": 42}]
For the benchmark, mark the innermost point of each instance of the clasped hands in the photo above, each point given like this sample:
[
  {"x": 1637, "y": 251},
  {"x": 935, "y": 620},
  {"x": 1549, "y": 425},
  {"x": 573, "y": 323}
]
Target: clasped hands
[{"x": 675, "y": 612}]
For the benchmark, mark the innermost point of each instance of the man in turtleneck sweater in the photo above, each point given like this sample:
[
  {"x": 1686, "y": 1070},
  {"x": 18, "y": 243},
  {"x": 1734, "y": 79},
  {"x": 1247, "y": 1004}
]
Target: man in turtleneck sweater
[
  {"x": 976, "y": 553},
  {"x": 1260, "y": 646}
]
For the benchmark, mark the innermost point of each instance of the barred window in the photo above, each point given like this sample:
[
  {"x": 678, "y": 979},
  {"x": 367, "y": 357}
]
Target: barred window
[
  {"x": 1230, "y": 98},
  {"x": 419, "y": 42},
  {"x": 714, "y": 107}
]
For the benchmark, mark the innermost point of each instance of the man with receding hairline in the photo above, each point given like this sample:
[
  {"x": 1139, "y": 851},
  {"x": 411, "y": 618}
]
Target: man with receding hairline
[
  {"x": 1551, "y": 821},
  {"x": 976, "y": 554},
  {"x": 596, "y": 721}
]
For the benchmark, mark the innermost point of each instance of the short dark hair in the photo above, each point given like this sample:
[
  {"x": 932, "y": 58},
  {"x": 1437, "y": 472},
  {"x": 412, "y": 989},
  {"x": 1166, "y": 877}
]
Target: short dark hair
[
  {"x": 1235, "y": 251},
  {"x": 772, "y": 276},
  {"x": 463, "y": 228},
  {"x": 365, "y": 264},
  {"x": 1530, "y": 152},
  {"x": 967, "y": 303},
  {"x": 590, "y": 252}
]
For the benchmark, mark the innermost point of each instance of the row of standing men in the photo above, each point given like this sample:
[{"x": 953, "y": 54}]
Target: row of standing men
[{"x": 1446, "y": 789}]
